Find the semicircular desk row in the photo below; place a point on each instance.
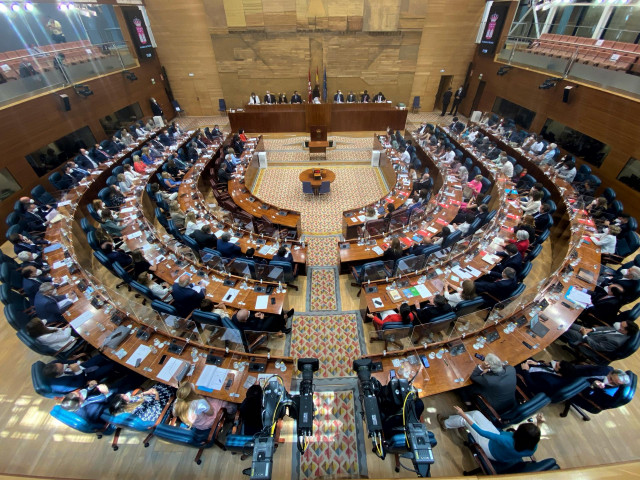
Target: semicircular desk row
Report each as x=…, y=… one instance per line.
x=95, y=324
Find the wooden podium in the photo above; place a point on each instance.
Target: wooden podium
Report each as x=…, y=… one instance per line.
x=318, y=139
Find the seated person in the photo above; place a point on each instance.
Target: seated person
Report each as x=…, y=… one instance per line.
x=496, y=382
x=89, y=403
x=28, y=259
x=204, y=238
x=439, y=307
x=49, y=305
x=147, y=405
x=186, y=296
x=466, y=292
x=468, y=220
x=162, y=292
x=394, y=252
x=115, y=199
x=532, y=205
x=178, y=217
x=32, y=279
x=405, y=316
x=169, y=183
x=521, y=242
x=228, y=249
x=606, y=301
x=629, y=280
x=600, y=339
x=57, y=339
x=251, y=411
x=258, y=321
x=542, y=219
x=111, y=225
x=115, y=255
x=500, y=290
x=511, y=258
x=66, y=377
x=507, y=447
x=283, y=255
x=476, y=184
x=250, y=255
x=607, y=240
x=197, y=411
x=528, y=223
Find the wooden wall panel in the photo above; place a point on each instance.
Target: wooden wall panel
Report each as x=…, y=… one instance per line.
x=33, y=124
x=610, y=118
x=181, y=30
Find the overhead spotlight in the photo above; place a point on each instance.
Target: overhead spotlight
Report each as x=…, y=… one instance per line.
x=83, y=90
x=3, y=8
x=28, y=6
x=63, y=7
x=70, y=6
x=503, y=70
x=15, y=7
x=129, y=75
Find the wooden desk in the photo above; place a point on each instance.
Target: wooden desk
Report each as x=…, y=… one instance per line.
x=319, y=146
x=342, y=117
x=307, y=176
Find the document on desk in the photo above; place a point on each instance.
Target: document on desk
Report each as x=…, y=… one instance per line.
x=577, y=295
x=491, y=259
x=423, y=291
x=233, y=240
x=128, y=209
x=262, y=302
x=461, y=273
x=170, y=368
x=52, y=248
x=212, y=378
x=134, y=235
x=59, y=264
x=378, y=250
x=65, y=203
x=81, y=319
x=473, y=271
x=362, y=218
x=219, y=233
x=231, y=295
x=140, y=354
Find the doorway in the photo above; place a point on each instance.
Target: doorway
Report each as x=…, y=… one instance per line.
x=478, y=96
x=445, y=82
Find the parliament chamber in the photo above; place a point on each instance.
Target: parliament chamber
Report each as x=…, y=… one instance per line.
x=319, y=240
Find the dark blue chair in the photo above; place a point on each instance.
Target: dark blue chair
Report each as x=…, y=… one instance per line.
x=290, y=272
x=486, y=185
x=43, y=350
x=610, y=194
x=540, y=239
x=10, y=276
x=118, y=170
x=535, y=251
x=54, y=179
x=86, y=226
x=206, y=318
x=14, y=218
x=13, y=229
x=17, y=314
x=143, y=290
x=95, y=246
x=583, y=173
x=415, y=106
x=103, y=194
x=552, y=206
x=451, y=239
x=594, y=400
x=112, y=180
x=222, y=105
x=307, y=189
x=595, y=181
x=526, y=269
x=9, y=296
x=391, y=333
x=325, y=187
x=70, y=419
x=466, y=307
x=162, y=219
x=162, y=307
x=93, y=213
x=41, y=195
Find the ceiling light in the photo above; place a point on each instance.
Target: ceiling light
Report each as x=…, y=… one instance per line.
x=15, y=7
x=3, y=8
x=70, y=6
x=28, y=6
x=63, y=7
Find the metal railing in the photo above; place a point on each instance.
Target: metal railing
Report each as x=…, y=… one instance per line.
x=46, y=68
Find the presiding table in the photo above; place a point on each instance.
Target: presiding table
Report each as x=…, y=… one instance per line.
x=326, y=176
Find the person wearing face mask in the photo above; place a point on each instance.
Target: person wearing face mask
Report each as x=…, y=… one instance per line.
x=607, y=239
x=160, y=291
x=21, y=243
x=600, y=339
x=32, y=279
x=34, y=221
x=31, y=260
x=629, y=280
x=49, y=305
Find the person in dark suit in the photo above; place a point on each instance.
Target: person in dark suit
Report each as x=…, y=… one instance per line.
x=64, y=378
x=283, y=255
x=496, y=382
x=246, y=320
x=156, y=109
x=269, y=98
x=67, y=181
x=204, y=238
x=46, y=304
x=606, y=302
x=76, y=172
x=446, y=99
x=600, y=339
x=164, y=139
x=379, y=98
x=351, y=98
x=282, y=98
x=33, y=220
x=98, y=153
x=511, y=258
x=228, y=249
x=543, y=218
x=500, y=290
x=457, y=99
x=88, y=404
x=32, y=280
x=83, y=160
x=630, y=283
x=22, y=243
x=114, y=255
x=296, y=98
x=365, y=98
x=429, y=311
x=186, y=297
x=250, y=255
x=338, y=97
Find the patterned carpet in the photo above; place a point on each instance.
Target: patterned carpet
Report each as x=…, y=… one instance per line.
x=333, y=339
x=323, y=289
x=333, y=449
x=354, y=186
x=322, y=251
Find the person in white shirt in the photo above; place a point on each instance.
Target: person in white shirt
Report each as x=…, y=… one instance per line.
x=533, y=205
x=160, y=291
x=568, y=171
x=473, y=135
x=52, y=337
x=405, y=156
x=129, y=174
x=254, y=99
x=191, y=224
x=607, y=239
x=449, y=155
x=123, y=183
x=549, y=155
x=538, y=147
x=468, y=220
x=316, y=100
x=140, y=131
x=126, y=138
x=507, y=169
x=466, y=292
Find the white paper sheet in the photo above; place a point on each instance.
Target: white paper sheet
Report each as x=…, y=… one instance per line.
x=141, y=353
x=170, y=368
x=80, y=319
x=262, y=301
x=134, y=235
x=212, y=377
x=378, y=250
x=231, y=295
x=378, y=302
x=423, y=291
x=461, y=273
x=578, y=296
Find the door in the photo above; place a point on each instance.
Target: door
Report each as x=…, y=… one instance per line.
x=445, y=82
x=478, y=96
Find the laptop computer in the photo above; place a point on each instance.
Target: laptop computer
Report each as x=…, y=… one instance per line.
x=537, y=327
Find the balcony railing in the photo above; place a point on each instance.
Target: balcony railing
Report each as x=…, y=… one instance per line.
x=25, y=73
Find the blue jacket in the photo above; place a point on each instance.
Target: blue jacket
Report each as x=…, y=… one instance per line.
x=228, y=249
x=31, y=287
x=96, y=368
x=47, y=307
x=185, y=299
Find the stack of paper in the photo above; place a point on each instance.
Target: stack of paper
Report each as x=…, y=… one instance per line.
x=212, y=378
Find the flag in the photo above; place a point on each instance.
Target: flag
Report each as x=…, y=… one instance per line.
x=317, y=79
x=310, y=86
x=324, y=86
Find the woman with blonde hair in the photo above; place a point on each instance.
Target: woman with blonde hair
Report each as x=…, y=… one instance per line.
x=197, y=411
